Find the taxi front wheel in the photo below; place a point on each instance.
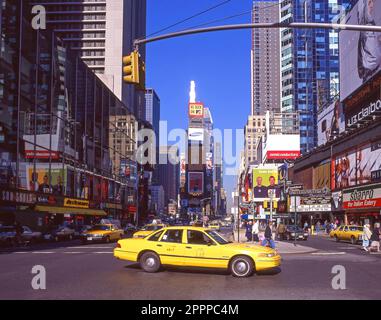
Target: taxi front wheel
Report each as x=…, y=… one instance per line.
x=150, y=262
x=242, y=267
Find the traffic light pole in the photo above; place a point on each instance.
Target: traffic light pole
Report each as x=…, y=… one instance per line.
x=276, y=25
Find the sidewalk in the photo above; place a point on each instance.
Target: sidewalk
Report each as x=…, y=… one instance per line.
x=282, y=247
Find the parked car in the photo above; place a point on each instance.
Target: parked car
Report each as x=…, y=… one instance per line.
x=29, y=235
x=293, y=233
x=80, y=229
x=348, y=233
x=7, y=236
x=148, y=229
x=102, y=233
x=59, y=234
x=214, y=225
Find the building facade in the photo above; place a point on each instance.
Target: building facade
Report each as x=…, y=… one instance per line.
x=56, y=118
x=265, y=64
x=309, y=63
x=102, y=32
x=169, y=172
x=254, y=130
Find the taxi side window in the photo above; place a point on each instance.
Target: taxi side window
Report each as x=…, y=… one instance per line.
x=173, y=236
x=156, y=236
x=346, y=228
x=197, y=237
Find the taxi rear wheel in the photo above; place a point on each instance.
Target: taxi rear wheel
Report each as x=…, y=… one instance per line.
x=337, y=238
x=242, y=267
x=353, y=240
x=150, y=262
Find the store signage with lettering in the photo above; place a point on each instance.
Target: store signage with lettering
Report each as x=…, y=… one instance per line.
x=18, y=197
x=76, y=203
x=362, y=197
x=376, y=176
x=364, y=113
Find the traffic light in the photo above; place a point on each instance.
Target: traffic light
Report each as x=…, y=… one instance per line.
x=134, y=70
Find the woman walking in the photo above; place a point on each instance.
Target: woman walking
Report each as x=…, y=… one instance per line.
x=367, y=234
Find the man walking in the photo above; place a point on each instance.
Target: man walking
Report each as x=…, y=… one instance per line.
x=375, y=238
x=367, y=234
x=269, y=236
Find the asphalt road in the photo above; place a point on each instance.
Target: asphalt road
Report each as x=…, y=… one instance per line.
x=74, y=271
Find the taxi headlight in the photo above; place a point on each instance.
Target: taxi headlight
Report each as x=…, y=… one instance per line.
x=267, y=255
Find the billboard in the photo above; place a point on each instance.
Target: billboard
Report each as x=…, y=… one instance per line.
x=196, y=110
x=265, y=182
x=331, y=122
x=196, y=134
x=360, y=52
x=282, y=147
x=360, y=166
x=196, y=183
x=362, y=197
x=322, y=176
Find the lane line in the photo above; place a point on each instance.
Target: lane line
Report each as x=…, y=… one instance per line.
x=328, y=253
x=105, y=252
x=42, y=252
x=84, y=247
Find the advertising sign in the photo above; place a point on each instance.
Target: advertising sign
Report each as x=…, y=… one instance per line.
x=362, y=197
x=331, y=122
x=196, y=183
x=322, y=176
x=183, y=177
x=282, y=147
x=42, y=180
x=345, y=170
x=196, y=134
x=360, y=52
x=264, y=180
x=196, y=110
x=76, y=203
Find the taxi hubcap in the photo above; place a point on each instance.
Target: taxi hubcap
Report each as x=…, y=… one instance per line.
x=150, y=262
x=241, y=267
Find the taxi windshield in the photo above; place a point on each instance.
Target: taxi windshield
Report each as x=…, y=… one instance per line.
x=100, y=228
x=355, y=228
x=217, y=237
x=151, y=228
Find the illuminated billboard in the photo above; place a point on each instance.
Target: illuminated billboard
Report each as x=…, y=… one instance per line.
x=196, y=110
x=196, y=183
x=196, y=134
x=282, y=147
x=331, y=122
x=360, y=52
x=265, y=182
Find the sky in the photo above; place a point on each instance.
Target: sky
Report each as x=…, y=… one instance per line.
x=218, y=62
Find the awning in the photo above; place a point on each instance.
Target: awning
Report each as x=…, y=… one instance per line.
x=63, y=210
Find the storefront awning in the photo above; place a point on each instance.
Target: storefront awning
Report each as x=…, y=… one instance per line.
x=79, y=211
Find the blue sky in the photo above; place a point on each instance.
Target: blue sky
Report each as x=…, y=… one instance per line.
x=218, y=62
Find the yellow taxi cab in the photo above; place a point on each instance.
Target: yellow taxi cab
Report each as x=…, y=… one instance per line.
x=348, y=233
x=102, y=233
x=196, y=247
x=147, y=230
x=214, y=225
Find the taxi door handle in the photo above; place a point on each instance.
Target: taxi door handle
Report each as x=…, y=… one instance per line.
x=159, y=245
x=188, y=247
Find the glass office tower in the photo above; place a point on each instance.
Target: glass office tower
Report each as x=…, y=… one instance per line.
x=309, y=63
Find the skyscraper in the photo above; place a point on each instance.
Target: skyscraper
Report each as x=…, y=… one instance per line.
x=102, y=32
x=152, y=115
x=265, y=67
x=169, y=172
x=309, y=63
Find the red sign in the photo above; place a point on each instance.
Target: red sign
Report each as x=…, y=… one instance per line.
x=362, y=197
x=196, y=110
x=276, y=155
x=132, y=209
x=41, y=154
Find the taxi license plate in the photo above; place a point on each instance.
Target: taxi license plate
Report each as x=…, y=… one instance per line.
x=300, y=237
x=89, y=239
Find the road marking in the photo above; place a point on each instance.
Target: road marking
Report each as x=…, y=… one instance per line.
x=108, y=252
x=84, y=247
x=74, y=252
x=349, y=248
x=42, y=252
x=24, y=252
x=328, y=253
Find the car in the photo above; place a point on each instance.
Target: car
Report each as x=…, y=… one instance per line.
x=196, y=247
x=102, y=233
x=31, y=236
x=293, y=233
x=147, y=229
x=7, y=236
x=129, y=230
x=215, y=225
x=59, y=234
x=348, y=233
x=80, y=229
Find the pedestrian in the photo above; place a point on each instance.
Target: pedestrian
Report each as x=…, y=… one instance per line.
x=375, y=238
x=367, y=234
x=318, y=227
x=281, y=230
x=249, y=231
x=269, y=236
x=255, y=231
x=18, y=231
x=305, y=226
